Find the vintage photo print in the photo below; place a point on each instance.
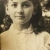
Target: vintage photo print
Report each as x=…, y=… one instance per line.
x=24, y=24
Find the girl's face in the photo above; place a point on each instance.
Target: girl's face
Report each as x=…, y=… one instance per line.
x=20, y=11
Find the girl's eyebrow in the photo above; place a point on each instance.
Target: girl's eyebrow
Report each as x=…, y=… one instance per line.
x=15, y=2
x=11, y=0
x=26, y=1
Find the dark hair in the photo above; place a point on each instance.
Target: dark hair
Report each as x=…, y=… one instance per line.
x=36, y=21
x=2, y=12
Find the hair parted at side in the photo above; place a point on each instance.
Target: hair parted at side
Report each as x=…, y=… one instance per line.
x=36, y=20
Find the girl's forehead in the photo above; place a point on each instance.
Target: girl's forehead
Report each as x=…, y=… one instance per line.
x=19, y=0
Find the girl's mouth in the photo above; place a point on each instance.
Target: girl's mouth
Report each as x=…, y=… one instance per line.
x=20, y=16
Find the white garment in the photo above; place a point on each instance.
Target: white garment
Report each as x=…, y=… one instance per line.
x=23, y=40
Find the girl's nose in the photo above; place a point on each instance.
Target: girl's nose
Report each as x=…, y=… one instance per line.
x=19, y=9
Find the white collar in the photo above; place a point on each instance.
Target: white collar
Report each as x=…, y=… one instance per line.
x=25, y=31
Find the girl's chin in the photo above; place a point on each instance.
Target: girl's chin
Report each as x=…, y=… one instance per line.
x=19, y=22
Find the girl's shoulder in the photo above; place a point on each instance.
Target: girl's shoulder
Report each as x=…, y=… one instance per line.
x=4, y=40
x=45, y=34
x=46, y=39
x=4, y=34
x=47, y=44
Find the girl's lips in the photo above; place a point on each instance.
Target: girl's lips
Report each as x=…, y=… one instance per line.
x=20, y=16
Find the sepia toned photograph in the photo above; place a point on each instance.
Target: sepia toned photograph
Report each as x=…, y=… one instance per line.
x=24, y=24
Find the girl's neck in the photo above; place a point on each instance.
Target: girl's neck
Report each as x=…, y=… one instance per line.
x=21, y=27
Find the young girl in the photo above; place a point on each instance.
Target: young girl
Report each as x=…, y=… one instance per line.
x=25, y=30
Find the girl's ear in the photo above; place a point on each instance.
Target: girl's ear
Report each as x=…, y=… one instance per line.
x=6, y=8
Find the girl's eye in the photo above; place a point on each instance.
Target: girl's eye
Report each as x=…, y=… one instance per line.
x=26, y=5
x=14, y=5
